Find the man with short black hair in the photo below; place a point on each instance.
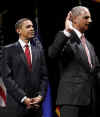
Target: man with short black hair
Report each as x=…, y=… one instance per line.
x=28, y=78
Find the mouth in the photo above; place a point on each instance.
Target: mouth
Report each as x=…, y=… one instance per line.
x=87, y=25
x=32, y=33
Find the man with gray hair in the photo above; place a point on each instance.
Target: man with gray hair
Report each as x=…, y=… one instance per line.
x=77, y=63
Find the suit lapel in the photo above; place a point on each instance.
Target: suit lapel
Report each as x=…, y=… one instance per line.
x=83, y=56
x=34, y=55
x=21, y=53
x=79, y=50
x=92, y=53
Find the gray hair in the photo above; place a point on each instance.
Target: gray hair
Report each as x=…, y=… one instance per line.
x=78, y=10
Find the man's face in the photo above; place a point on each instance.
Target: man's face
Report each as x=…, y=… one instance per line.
x=26, y=31
x=83, y=20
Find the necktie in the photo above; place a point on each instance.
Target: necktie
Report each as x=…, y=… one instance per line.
x=86, y=50
x=28, y=56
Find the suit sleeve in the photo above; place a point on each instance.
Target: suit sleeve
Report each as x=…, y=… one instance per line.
x=12, y=87
x=97, y=69
x=58, y=45
x=43, y=75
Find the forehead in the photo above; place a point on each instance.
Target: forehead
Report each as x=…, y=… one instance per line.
x=27, y=22
x=85, y=12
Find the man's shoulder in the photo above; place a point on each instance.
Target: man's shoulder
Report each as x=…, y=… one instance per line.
x=62, y=35
x=12, y=45
x=60, y=32
x=10, y=48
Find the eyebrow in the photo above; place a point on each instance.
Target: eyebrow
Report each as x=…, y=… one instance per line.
x=86, y=17
x=29, y=26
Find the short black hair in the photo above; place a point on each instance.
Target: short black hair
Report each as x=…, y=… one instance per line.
x=19, y=22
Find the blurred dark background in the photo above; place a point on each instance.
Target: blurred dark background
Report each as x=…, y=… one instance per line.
x=51, y=17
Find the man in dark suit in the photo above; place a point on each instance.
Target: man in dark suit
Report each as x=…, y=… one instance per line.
x=27, y=79
x=77, y=65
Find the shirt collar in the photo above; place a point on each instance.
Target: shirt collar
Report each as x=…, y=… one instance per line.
x=23, y=43
x=79, y=34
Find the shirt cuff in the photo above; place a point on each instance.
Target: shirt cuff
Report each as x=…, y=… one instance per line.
x=67, y=33
x=22, y=100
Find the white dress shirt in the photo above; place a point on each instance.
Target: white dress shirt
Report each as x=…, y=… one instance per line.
x=79, y=34
x=66, y=33
x=22, y=43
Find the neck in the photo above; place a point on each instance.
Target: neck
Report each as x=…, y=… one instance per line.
x=77, y=27
x=25, y=40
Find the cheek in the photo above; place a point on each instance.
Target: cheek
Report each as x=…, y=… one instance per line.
x=82, y=23
x=25, y=34
x=85, y=26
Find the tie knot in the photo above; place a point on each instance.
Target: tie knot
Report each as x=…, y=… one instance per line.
x=83, y=38
x=26, y=46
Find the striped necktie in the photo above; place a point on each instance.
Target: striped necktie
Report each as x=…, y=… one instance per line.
x=83, y=40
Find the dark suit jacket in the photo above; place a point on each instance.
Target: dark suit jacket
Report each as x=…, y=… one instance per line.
x=19, y=80
x=76, y=78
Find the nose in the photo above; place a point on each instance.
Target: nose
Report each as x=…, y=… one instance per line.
x=32, y=28
x=90, y=20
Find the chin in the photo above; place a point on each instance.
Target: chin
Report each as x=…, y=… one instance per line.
x=31, y=37
x=86, y=27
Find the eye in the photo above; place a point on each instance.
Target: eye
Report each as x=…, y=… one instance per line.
x=28, y=26
x=86, y=17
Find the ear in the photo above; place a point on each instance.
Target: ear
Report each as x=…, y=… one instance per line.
x=70, y=16
x=18, y=31
x=75, y=20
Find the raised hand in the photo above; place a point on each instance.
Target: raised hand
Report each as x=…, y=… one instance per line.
x=68, y=22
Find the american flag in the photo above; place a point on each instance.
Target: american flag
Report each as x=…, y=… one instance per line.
x=2, y=86
x=2, y=94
